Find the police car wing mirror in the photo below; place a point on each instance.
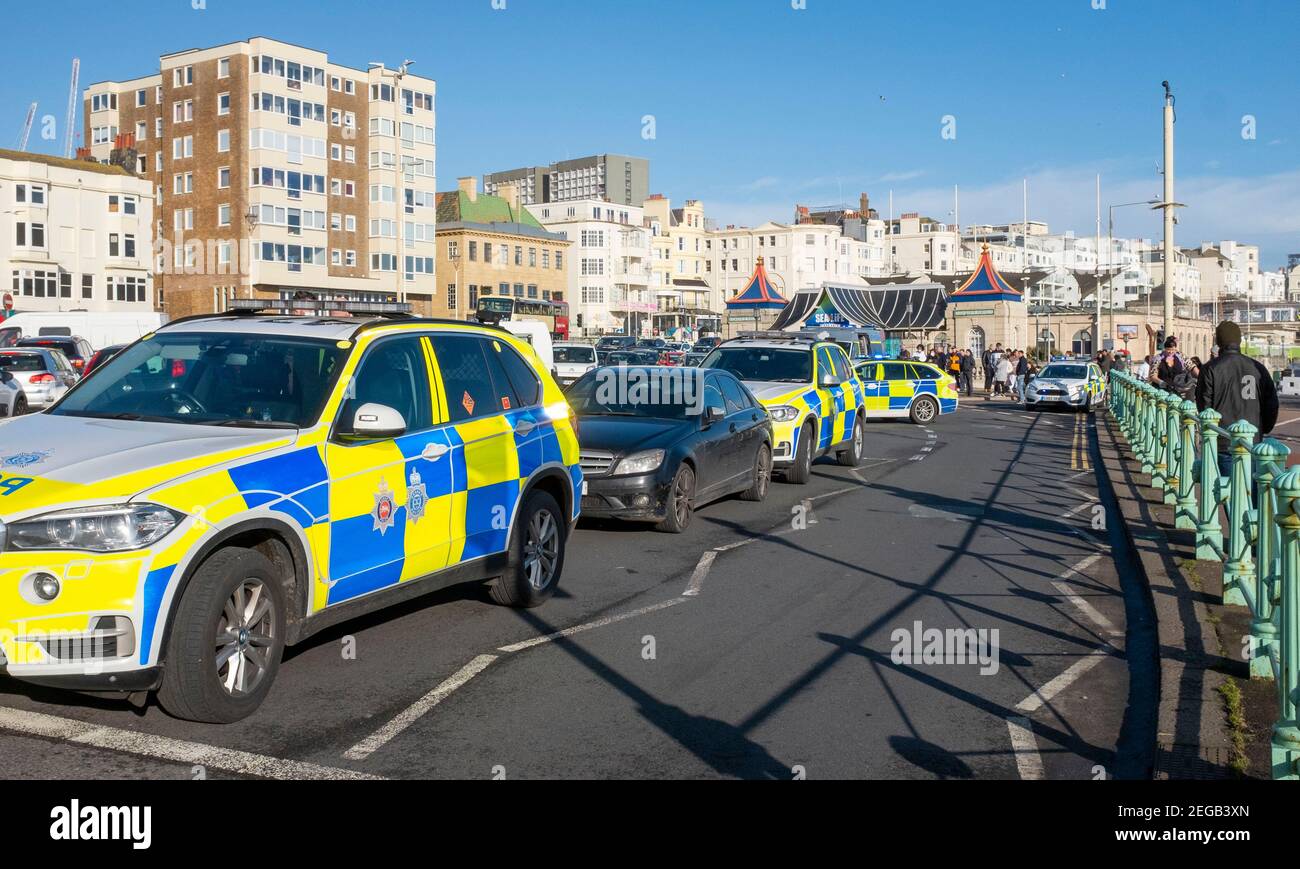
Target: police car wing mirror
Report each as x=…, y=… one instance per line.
x=376, y=421
x=830, y=380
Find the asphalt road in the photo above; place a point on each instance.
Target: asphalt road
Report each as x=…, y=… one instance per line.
x=759, y=644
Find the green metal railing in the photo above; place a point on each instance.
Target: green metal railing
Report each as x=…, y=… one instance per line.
x=1256, y=502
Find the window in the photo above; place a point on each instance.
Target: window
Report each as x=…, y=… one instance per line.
x=394, y=374
x=182, y=76
x=223, y=215
x=182, y=147
x=472, y=391
x=223, y=68
x=223, y=104
x=223, y=140
x=141, y=98
x=87, y=286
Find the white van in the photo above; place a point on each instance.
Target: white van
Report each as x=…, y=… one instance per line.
x=101, y=328
x=537, y=335
x=572, y=360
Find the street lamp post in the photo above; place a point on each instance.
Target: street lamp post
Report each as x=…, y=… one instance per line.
x=1110, y=253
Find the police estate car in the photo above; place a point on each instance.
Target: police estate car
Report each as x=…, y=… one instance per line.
x=810, y=392
x=231, y=484
x=1077, y=384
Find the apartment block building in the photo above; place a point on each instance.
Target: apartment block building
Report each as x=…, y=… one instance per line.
x=614, y=178
x=489, y=247
x=609, y=265
x=680, y=268
x=74, y=235
x=276, y=171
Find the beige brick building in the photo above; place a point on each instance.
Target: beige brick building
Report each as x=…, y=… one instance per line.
x=489, y=247
x=277, y=171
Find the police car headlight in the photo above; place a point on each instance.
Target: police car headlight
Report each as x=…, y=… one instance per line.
x=641, y=463
x=117, y=528
x=785, y=413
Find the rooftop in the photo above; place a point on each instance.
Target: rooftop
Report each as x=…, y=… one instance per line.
x=63, y=162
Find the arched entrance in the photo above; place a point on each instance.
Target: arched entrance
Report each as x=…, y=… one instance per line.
x=975, y=341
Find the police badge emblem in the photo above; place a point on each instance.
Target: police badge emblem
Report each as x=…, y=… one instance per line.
x=384, y=510
x=417, y=498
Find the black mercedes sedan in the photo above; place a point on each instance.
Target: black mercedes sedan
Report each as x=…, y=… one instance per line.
x=658, y=441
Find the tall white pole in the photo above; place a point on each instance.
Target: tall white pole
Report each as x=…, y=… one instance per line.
x=890, y=233
x=1096, y=289
x=1168, y=207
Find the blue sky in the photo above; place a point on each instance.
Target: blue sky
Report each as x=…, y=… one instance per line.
x=759, y=105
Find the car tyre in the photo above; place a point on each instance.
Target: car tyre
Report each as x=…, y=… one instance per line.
x=762, y=475
x=238, y=595
x=924, y=410
x=800, y=472
x=20, y=405
x=851, y=455
x=536, y=554
x=680, y=506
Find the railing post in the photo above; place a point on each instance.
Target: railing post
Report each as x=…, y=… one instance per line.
x=1269, y=456
x=1286, y=732
x=1185, y=515
x=1159, y=456
x=1209, y=533
x=1239, y=566
x=1146, y=452
x=1173, y=448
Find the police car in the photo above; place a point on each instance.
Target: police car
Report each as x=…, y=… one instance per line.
x=811, y=394
x=231, y=484
x=1078, y=384
x=906, y=388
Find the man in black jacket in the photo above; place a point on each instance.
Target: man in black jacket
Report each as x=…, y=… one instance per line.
x=1237, y=387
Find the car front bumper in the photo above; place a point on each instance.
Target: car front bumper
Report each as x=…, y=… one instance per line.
x=638, y=498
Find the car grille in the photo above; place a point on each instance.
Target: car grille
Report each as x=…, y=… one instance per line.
x=596, y=463
x=109, y=637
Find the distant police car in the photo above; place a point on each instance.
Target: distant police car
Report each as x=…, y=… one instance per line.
x=896, y=388
x=1067, y=384
x=810, y=392
x=232, y=484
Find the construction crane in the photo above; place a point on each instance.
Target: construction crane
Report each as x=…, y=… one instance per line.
x=70, y=121
x=27, y=127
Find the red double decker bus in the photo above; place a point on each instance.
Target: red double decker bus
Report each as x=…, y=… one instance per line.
x=553, y=315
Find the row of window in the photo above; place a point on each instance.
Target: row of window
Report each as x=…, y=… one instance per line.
x=296, y=110
x=44, y=284
x=503, y=254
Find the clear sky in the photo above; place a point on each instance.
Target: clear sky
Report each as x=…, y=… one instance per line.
x=759, y=105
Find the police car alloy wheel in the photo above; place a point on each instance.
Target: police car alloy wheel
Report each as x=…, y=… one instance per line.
x=536, y=554
x=851, y=455
x=923, y=410
x=226, y=639
x=801, y=470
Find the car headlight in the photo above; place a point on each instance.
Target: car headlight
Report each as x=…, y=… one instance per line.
x=784, y=413
x=640, y=463
x=116, y=528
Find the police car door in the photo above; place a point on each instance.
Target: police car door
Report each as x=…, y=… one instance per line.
x=390, y=498
x=849, y=396
x=828, y=390
x=487, y=424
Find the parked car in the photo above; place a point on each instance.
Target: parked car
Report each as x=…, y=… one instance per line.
x=917, y=390
x=658, y=459
x=13, y=401
x=44, y=374
x=573, y=360
x=233, y=484
x=811, y=393
x=102, y=355
x=1079, y=385
x=656, y=344
x=610, y=343
x=632, y=357
x=77, y=350
x=704, y=345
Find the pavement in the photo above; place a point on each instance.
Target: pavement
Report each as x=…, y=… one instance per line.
x=768, y=641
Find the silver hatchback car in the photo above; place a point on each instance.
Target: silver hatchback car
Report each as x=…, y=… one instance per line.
x=44, y=374
x=13, y=401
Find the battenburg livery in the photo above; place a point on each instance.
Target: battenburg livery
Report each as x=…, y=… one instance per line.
x=906, y=388
x=232, y=484
x=810, y=391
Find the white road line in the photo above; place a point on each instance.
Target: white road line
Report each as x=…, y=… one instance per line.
x=1084, y=506
x=701, y=571
x=599, y=623
x=1088, y=609
x=412, y=713
x=1287, y=422
x=1028, y=760
x=833, y=494
x=1035, y=701
x=164, y=748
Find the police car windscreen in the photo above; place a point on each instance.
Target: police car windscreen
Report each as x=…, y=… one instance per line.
x=216, y=378
x=763, y=363
x=1066, y=372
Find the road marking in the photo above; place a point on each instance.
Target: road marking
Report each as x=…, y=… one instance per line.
x=1082, y=605
x=1043, y=695
x=1028, y=761
x=701, y=571
x=1287, y=422
x=412, y=713
x=599, y=623
x=164, y=748
x=916, y=458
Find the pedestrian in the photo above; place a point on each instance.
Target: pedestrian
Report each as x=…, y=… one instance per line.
x=967, y=372
x=1171, y=366
x=1143, y=370
x=1021, y=373
x=1238, y=387
x=1002, y=374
